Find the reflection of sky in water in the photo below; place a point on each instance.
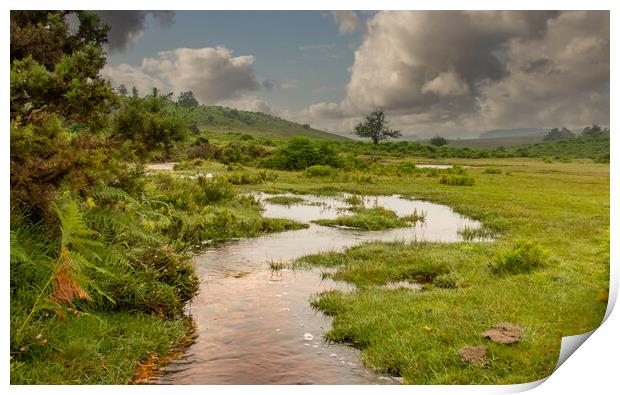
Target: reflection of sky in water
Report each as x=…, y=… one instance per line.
x=254, y=325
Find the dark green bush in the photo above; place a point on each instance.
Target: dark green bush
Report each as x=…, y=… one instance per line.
x=301, y=152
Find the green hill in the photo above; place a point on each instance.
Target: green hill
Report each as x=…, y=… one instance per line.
x=225, y=119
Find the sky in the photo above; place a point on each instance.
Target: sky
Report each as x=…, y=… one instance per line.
x=454, y=73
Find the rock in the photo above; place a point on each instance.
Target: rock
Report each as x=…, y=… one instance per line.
x=475, y=355
x=308, y=336
x=504, y=333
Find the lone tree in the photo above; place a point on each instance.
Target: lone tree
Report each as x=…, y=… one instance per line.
x=438, y=141
x=376, y=127
x=187, y=99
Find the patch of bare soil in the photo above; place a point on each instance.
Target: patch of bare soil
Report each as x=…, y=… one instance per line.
x=476, y=355
x=504, y=333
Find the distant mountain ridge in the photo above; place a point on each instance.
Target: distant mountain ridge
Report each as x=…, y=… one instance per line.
x=517, y=132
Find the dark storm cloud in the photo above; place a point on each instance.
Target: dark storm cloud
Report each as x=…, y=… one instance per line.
x=126, y=26
x=540, y=65
x=442, y=70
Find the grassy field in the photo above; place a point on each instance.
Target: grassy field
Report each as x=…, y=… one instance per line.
x=562, y=208
x=547, y=270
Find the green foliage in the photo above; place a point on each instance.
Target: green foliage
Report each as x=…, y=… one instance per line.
x=187, y=99
x=248, y=178
x=300, y=153
x=284, y=200
x=55, y=71
x=556, y=134
x=46, y=157
x=456, y=179
x=438, y=141
x=594, y=131
x=319, y=171
x=151, y=124
x=375, y=218
x=447, y=281
x=375, y=127
x=523, y=257
x=492, y=170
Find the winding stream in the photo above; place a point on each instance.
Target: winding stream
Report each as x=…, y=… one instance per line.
x=255, y=326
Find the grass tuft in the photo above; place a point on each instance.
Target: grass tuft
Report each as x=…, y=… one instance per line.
x=523, y=257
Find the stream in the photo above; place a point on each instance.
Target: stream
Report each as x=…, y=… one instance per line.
x=256, y=326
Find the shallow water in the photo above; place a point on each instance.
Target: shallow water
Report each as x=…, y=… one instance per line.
x=434, y=166
x=164, y=166
x=255, y=326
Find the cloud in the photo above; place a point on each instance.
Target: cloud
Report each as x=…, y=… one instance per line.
x=213, y=74
x=446, y=84
x=451, y=71
x=131, y=76
x=248, y=103
x=128, y=26
x=348, y=21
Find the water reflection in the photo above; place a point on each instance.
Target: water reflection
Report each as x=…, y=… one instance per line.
x=255, y=326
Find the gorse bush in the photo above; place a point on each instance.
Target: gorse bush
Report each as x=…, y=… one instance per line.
x=151, y=123
x=523, y=257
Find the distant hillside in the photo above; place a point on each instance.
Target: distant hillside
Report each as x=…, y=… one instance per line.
x=520, y=132
x=496, y=142
x=224, y=119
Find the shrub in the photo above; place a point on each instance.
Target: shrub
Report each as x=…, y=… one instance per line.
x=456, y=179
x=492, y=170
x=524, y=257
x=301, y=153
x=214, y=190
x=319, y=171
x=171, y=268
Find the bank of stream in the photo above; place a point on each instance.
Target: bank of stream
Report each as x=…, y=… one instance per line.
x=254, y=324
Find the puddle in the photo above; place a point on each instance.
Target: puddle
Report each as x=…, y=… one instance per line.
x=165, y=166
x=434, y=166
x=256, y=326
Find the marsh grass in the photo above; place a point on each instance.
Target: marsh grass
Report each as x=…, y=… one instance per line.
x=481, y=233
x=354, y=200
x=524, y=257
x=285, y=200
x=277, y=266
x=374, y=218
x=456, y=179
x=550, y=297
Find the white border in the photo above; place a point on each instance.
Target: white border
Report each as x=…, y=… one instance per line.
x=593, y=367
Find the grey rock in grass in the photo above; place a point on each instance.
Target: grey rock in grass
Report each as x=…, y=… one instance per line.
x=476, y=355
x=504, y=333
